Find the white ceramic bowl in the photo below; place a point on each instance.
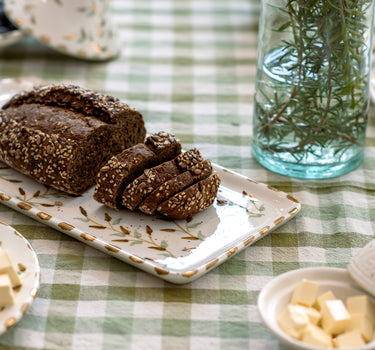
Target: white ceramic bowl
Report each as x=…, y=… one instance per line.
x=10, y=38
x=362, y=268
x=276, y=295
x=78, y=28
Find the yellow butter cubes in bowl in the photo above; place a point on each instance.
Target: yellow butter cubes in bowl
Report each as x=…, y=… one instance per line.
x=317, y=308
x=325, y=321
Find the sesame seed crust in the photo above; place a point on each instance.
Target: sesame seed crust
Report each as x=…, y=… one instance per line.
x=142, y=186
x=146, y=183
x=175, y=185
x=73, y=97
x=60, y=134
x=191, y=200
x=119, y=170
x=125, y=167
x=156, y=178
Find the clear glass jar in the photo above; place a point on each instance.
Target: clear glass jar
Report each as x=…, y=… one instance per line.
x=312, y=86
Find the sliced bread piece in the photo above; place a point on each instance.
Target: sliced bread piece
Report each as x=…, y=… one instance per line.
x=191, y=200
x=142, y=186
x=123, y=168
x=176, y=184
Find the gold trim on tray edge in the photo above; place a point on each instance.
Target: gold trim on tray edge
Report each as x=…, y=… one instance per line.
x=160, y=271
x=248, y=241
x=65, y=226
x=190, y=273
x=264, y=230
x=292, y=198
x=136, y=259
x=212, y=263
x=44, y=216
x=4, y=197
x=231, y=251
x=279, y=220
x=293, y=211
x=24, y=206
x=112, y=248
x=10, y=322
x=24, y=308
x=87, y=237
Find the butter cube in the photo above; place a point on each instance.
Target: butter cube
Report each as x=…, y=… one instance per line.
x=362, y=324
x=293, y=319
x=322, y=298
x=348, y=340
x=6, y=291
x=7, y=268
x=314, y=335
x=335, y=317
x=361, y=304
x=313, y=315
x=305, y=293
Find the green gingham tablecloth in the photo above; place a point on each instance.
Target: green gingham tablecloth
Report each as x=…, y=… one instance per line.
x=189, y=67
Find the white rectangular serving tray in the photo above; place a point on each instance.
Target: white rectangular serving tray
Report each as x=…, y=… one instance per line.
x=177, y=251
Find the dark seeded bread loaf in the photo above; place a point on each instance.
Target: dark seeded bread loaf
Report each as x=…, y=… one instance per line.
x=61, y=135
x=125, y=167
x=152, y=178
x=175, y=185
x=192, y=200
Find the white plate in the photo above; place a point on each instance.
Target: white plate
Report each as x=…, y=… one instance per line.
x=11, y=37
x=362, y=268
x=177, y=251
x=82, y=29
x=276, y=295
x=27, y=265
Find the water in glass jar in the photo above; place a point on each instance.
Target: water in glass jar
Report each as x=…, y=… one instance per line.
x=319, y=138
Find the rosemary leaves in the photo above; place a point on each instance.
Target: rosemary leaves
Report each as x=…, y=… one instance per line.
x=312, y=86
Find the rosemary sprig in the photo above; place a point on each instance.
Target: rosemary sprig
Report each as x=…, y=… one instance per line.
x=325, y=59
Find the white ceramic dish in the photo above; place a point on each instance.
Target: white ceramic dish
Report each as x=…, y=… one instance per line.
x=362, y=268
x=177, y=251
x=26, y=262
x=276, y=294
x=10, y=38
x=78, y=28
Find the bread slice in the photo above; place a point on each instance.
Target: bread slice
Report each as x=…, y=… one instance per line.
x=175, y=185
x=142, y=186
x=191, y=200
x=125, y=167
x=188, y=159
x=61, y=135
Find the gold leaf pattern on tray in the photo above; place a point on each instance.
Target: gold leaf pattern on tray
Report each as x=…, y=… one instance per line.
x=143, y=235
x=4, y=177
x=38, y=196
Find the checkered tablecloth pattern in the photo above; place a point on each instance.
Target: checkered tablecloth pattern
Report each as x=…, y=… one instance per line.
x=189, y=67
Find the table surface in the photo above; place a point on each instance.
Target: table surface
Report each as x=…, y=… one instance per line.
x=189, y=67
